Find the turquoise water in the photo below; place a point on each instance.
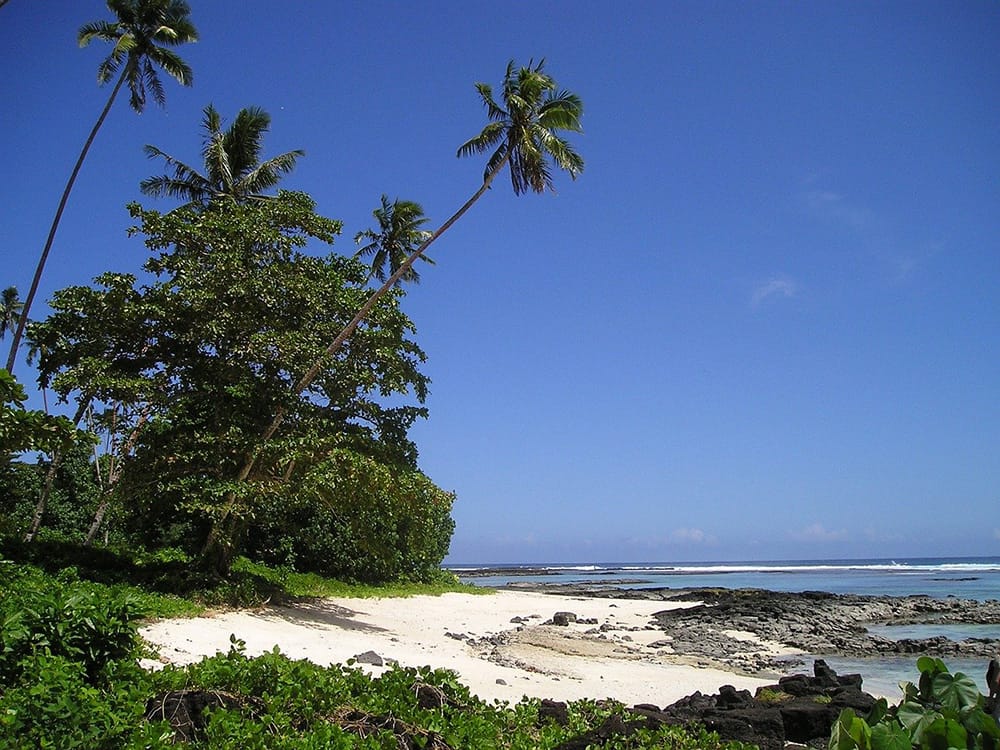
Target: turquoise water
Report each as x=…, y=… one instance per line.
x=966, y=578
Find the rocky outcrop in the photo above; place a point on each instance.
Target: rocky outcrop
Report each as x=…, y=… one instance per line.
x=799, y=709
x=821, y=623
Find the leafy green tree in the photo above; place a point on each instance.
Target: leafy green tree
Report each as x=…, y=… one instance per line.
x=232, y=166
x=524, y=133
x=10, y=310
x=197, y=360
x=399, y=233
x=141, y=35
x=24, y=429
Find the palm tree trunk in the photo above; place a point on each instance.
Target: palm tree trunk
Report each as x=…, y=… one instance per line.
x=219, y=551
x=50, y=476
x=43, y=499
x=19, y=333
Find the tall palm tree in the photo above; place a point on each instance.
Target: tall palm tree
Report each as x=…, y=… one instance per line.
x=399, y=233
x=141, y=34
x=232, y=165
x=11, y=309
x=523, y=133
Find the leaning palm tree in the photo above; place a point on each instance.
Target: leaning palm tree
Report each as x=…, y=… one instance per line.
x=399, y=233
x=141, y=34
x=523, y=135
x=10, y=310
x=232, y=166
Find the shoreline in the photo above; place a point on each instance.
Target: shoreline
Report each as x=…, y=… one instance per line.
x=633, y=645
x=503, y=646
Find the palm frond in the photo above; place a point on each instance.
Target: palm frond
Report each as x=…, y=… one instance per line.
x=496, y=160
x=103, y=30
x=107, y=69
x=562, y=154
x=136, y=84
x=268, y=174
x=173, y=65
x=493, y=110
x=244, y=137
x=561, y=111
x=152, y=83
x=489, y=137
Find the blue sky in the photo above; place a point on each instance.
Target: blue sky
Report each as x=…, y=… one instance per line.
x=763, y=324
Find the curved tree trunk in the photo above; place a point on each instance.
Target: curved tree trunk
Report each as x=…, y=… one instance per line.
x=218, y=549
x=50, y=476
x=19, y=333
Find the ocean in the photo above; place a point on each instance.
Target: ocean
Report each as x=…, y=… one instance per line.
x=964, y=578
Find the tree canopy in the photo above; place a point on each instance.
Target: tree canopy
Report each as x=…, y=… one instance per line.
x=186, y=370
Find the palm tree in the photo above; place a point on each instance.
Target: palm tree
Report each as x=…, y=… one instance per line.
x=524, y=138
x=141, y=34
x=10, y=310
x=233, y=169
x=398, y=235
x=523, y=134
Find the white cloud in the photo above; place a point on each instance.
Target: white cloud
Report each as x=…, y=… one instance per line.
x=780, y=286
x=692, y=536
x=818, y=533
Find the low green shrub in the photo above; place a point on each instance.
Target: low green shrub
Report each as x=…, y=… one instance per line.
x=92, y=628
x=942, y=710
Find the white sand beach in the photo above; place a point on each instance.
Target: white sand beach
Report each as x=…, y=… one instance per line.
x=619, y=654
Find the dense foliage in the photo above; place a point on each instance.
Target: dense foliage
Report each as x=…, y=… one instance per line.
x=942, y=710
x=183, y=373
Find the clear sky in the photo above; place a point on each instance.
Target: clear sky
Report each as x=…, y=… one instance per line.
x=763, y=324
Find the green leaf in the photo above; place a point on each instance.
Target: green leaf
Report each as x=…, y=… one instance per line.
x=850, y=733
x=955, y=691
x=943, y=734
x=890, y=736
x=916, y=718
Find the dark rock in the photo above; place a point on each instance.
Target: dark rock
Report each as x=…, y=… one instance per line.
x=370, y=657
x=612, y=728
x=806, y=720
x=429, y=696
x=823, y=674
x=563, y=618
x=554, y=711
x=458, y=636
x=186, y=710
x=730, y=697
x=800, y=708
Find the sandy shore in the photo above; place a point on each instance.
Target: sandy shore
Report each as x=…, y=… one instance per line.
x=621, y=655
